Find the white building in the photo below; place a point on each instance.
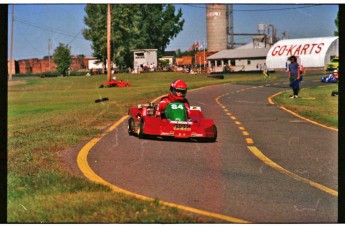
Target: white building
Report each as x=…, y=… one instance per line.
x=170, y=59
x=144, y=57
x=310, y=52
x=245, y=58
x=96, y=64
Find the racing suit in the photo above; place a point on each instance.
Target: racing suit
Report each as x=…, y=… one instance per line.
x=166, y=100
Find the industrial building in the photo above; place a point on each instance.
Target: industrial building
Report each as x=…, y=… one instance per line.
x=249, y=57
x=312, y=53
x=216, y=24
x=220, y=39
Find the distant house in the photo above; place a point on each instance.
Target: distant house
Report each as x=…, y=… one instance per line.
x=170, y=59
x=170, y=56
x=245, y=58
x=201, y=56
x=144, y=57
x=35, y=65
x=184, y=61
x=96, y=64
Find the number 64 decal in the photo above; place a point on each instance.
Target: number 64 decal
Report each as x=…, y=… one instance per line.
x=177, y=106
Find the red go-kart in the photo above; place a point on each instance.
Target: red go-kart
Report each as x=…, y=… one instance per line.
x=173, y=123
x=115, y=83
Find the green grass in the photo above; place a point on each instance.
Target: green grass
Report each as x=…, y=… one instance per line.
x=47, y=115
x=315, y=103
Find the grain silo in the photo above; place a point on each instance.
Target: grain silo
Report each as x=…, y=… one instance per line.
x=217, y=27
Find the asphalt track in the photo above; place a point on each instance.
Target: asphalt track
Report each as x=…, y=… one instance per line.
x=267, y=166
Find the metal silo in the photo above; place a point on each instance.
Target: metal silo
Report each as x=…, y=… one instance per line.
x=217, y=27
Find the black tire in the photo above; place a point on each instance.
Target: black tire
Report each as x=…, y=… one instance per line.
x=214, y=138
x=211, y=139
x=131, y=126
x=141, y=134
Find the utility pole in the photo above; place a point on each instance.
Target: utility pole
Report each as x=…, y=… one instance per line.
x=49, y=46
x=204, y=54
x=109, y=44
x=11, y=58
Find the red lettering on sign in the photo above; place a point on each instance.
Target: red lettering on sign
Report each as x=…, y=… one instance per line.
x=312, y=48
x=282, y=50
x=274, y=52
x=297, y=50
x=304, y=50
x=289, y=52
x=319, y=47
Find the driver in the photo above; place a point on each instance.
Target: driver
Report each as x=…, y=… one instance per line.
x=178, y=91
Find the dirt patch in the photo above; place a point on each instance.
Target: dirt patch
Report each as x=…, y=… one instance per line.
x=16, y=82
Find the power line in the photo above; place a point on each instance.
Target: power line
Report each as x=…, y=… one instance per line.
x=57, y=31
x=257, y=10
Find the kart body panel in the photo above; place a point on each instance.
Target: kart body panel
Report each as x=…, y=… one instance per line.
x=116, y=83
x=143, y=121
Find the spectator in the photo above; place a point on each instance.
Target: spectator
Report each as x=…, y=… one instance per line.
x=294, y=76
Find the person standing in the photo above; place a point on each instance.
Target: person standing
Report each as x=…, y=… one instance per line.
x=265, y=71
x=294, y=76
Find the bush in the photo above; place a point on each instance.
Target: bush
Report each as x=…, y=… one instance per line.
x=50, y=74
x=26, y=75
x=77, y=73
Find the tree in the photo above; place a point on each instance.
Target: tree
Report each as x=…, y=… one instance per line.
x=134, y=26
x=62, y=58
x=336, y=21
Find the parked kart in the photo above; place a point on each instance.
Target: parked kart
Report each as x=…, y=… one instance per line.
x=331, y=78
x=115, y=83
x=172, y=124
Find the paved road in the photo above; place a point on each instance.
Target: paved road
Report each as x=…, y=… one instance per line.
x=266, y=166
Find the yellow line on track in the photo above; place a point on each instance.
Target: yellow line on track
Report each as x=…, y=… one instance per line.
x=249, y=141
x=245, y=133
x=274, y=165
x=297, y=115
x=311, y=121
x=85, y=168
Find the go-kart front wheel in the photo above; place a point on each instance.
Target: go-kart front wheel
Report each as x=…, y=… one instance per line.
x=141, y=134
x=131, y=126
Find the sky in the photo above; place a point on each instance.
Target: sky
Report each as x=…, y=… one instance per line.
x=35, y=24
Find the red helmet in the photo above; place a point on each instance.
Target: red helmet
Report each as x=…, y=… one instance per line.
x=179, y=86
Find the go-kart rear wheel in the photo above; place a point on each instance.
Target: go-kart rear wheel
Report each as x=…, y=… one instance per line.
x=131, y=126
x=141, y=134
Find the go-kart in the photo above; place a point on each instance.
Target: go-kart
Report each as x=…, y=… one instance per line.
x=329, y=79
x=173, y=123
x=115, y=83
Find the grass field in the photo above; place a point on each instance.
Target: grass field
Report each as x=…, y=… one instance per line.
x=316, y=104
x=47, y=115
